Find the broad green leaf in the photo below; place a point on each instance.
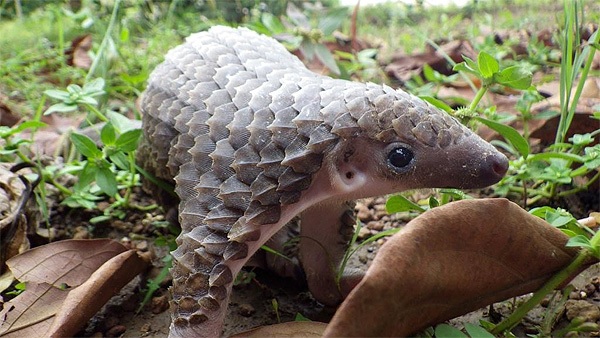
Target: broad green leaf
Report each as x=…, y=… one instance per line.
x=447, y=331
x=120, y=160
x=325, y=56
x=85, y=146
x=307, y=49
x=333, y=20
x=86, y=176
x=128, y=141
x=94, y=87
x=513, y=136
x=515, y=77
x=488, y=66
x=476, y=331
x=122, y=123
x=57, y=94
x=580, y=241
x=108, y=134
x=61, y=108
x=297, y=17
x=399, y=203
x=272, y=23
x=107, y=181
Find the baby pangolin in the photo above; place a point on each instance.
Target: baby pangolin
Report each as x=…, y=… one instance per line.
x=252, y=138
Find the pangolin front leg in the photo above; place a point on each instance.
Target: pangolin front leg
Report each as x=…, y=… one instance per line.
x=252, y=138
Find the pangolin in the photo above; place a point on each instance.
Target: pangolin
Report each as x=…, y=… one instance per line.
x=252, y=138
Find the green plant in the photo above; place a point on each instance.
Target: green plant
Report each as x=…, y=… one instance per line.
x=307, y=33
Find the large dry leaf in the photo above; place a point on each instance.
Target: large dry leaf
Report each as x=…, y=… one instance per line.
x=286, y=330
x=69, y=262
x=67, y=283
x=84, y=301
x=449, y=261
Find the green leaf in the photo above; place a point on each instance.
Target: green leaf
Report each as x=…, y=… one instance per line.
x=325, y=56
x=94, y=87
x=108, y=134
x=122, y=123
x=399, y=203
x=433, y=202
x=60, y=95
x=447, y=331
x=85, y=177
x=300, y=318
x=580, y=241
x=552, y=155
x=61, y=108
x=120, y=160
x=333, y=20
x=468, y=66
x=128, y=141
x=307, y=49
x=510, y=134
x=437, y=103
x=488, y=66
x=107, y=181
x=476, y=331
x=85, y=146
x=515, y=77
x=272, y=23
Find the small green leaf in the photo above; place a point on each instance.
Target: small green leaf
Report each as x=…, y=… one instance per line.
x=436, y=103
x=307, y=49
x=333, y=20
x=85, y=146
x=513, y=136
x=107, y=181
x=120, y=160
x=128, y=141
x=476, y=331
x=580, y=241
x=433, y=202
x=94, y=87
x=515, y=77
x=552, y=155
x=488, y=66
x=108, y=134
x=325, y=56
x=122, y=123
x=60, y=95
x=300, y=318
x=85, y=177
x=447, y=331
x=399, y=203
x=61, y=108
x=272, y=23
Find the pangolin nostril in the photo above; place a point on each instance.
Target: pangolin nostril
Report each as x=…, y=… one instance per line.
x=500, y=165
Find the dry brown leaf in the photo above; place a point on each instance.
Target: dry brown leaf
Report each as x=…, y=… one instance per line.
x=69, y=262
x=449, y=261
x=67, y=283
x=286, y=330
x=87, y=299
x=78, y=55
x=30, y=313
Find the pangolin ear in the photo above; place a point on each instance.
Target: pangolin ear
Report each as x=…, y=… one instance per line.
x=346, y=177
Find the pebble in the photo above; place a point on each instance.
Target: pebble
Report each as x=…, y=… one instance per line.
x=581, y=308
x=159, y=304
x=116, y=331
x=375, y=225
x=81, y=232
x=364, y=233
x=246, y=309
x=363, y=258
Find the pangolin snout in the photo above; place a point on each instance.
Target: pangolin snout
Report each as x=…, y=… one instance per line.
x=493, y=168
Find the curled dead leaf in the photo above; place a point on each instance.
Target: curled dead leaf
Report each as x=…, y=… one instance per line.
x=449, y=261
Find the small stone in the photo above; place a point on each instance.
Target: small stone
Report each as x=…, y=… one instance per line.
x=160, y=304
x=589, y=288
x=138, y=228
x=364, y=233
x=574, y=295
x=581, y=308
x=364, y=214
x=146, y=328
x=363, y=258
x=246, y=309
x=375, y=225
x=81, y=232
x=142, y=245
x=116, y=331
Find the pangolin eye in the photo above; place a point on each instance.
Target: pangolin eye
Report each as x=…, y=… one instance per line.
x=400, y=157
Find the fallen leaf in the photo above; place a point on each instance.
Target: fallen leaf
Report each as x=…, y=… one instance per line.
x=67, y=283
x=285, y=330
x=69, y=262
x=78, y=55
x=449, y=261
x=87, y=299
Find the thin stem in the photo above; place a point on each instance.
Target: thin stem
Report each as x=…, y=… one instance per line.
x=538, y=296
x=104, y=43
x=477, y=98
